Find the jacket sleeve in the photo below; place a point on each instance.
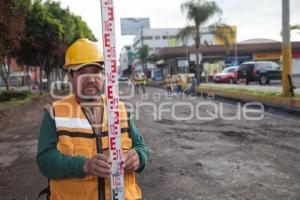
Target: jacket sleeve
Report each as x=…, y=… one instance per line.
x=138, y=144
x=51, y=162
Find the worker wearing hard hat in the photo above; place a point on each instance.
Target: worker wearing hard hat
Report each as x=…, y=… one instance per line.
x=179, y=83
x=136, y=83
x=169, y=84
x=73, y=142
x=143, y=82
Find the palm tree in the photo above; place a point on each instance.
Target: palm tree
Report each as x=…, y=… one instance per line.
x=198, y=12
x=295, y=27
x=152, y=58
x=143, y=53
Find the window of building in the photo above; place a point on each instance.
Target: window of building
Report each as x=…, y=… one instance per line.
x=148, y=37
x=169, y=37
x=172, y=37
x=157, y=37
x=182, y=70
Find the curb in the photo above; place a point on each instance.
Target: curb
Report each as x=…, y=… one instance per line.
x=289, y=105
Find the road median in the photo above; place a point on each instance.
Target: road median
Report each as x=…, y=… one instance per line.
x=268, y=98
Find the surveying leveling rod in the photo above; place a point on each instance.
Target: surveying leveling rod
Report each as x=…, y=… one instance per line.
x=112, y=94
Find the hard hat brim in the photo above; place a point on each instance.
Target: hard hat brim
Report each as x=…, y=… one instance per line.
x=77, y=67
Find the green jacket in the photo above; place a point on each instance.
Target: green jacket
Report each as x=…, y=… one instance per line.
x=143, y=81
x=55, y=165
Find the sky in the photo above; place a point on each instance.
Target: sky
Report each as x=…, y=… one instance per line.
x=253, y=18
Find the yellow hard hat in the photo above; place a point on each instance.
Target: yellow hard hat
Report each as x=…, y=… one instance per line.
x=81, y=53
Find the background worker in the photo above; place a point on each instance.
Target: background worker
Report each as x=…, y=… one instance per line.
x=179, y=83
x=143, y=82
x=169, y=84
x=136, y=83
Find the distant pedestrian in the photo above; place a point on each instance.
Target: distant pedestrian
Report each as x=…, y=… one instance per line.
x=143, y=82
x=179, y=83
x=136, y=84
x=129, y=84
x=192, y=88
x=169, y=84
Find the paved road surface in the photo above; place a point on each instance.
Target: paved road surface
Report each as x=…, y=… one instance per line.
x=191, y=159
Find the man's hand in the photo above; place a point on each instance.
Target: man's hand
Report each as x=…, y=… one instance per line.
x=99, y=165
x=132, y=161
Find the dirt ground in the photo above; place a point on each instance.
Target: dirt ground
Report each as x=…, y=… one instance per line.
x=191, y=159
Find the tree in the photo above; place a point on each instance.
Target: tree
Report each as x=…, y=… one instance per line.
x=143, y=53
x=31, y=46
x=37, y=33
x=198, y=12
x=73, y=28
x=13, y=15
x=43, y=36
x=296, y=28
x=82, y=30
x=49, y=31
x=152, y=58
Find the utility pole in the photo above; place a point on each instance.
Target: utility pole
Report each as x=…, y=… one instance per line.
x=286, y=47
x=142, y=46
x=235, y=48
x=142, y=36
x=235, y=54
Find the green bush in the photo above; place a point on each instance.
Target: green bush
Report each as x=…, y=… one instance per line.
x=9, y=95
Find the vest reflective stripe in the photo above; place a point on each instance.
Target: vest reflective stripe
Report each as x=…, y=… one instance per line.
x=84, y=135
x=72, y=122
x=76, y=138
x=82, y=130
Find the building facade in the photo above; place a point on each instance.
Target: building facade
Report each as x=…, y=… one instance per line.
x=158, y=38
x=216, y=57
x=126, y=60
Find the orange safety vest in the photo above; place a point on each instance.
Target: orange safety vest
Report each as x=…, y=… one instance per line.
x=179, y=81
x=76, y=137
x=169, y=82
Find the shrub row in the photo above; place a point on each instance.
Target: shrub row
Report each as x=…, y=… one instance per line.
x=9, y=95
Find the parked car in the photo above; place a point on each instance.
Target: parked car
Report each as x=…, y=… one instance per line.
x=228, y=75
x=259, y=71
x=122, y=78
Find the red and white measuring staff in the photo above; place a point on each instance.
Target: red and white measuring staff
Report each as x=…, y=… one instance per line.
x=112, y=95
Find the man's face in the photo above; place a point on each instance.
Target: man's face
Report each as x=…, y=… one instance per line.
x=88, y=82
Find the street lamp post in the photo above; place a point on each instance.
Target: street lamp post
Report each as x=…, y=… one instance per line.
x=236, y=48
x=286, y=47
x=142, y=36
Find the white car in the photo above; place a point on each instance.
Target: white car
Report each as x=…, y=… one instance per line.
x=122, y=78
